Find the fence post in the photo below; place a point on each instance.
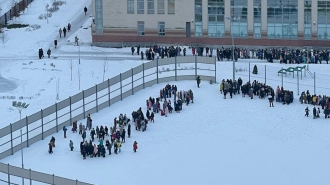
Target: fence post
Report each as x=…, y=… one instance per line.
x=11, y=139
x=249, y=72
x=195, y=66
x=42, y=124
x=70, y=110
x=56, y=117
x=265, y=74
x=30, y=176
x=27, y=131
x=282, y=77
x=156, y=69
x=215, y=69
x=53, y=179
x=121, y=88
x=133, y=80
x=143, y=73
x=84, y=114
x=109, y=92
x=97, y=103
x=8, y=174
x=175, y=69
x=314, y=83
x=298, y=82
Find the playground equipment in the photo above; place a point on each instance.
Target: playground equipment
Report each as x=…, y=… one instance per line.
x=292, y=70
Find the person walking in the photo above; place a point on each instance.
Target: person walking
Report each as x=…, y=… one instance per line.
x=64, y=130
x=69, y=27
x=49, y=52
x=71, y=145
x=55, y=43
x=64, y=31
x=198, y=80
x=135, y=146
x=85, y=10
x=60, y=32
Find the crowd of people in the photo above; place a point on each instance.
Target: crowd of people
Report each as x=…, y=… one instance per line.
x=323, y=101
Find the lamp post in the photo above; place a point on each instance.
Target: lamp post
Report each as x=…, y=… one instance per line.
x=20, y=106
x=232, y=42
x=79, y=52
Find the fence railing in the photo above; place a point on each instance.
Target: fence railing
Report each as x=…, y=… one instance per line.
x=17, y=7
x=50, y=120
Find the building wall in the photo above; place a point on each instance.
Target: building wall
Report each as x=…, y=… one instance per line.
x=115, y=15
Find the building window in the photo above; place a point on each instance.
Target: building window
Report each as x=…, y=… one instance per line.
x=160, y=7
x=238, y=18
x=140, y=28
x=216, y=12
x=140, y=6
x=161, y=28
x=307, y=19
x=282, y=19
x=198, y=18
x=171, y=7
x=130, y=6
x=323, y=19
x=151, y=6
x=257, y=18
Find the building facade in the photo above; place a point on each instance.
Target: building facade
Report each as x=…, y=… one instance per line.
x=212, y=22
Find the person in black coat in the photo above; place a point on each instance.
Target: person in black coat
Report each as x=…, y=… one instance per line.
x=123, y=134
x=129, y=130
x=142, y=57
x=109, y=146
x=40, y=53
x=50, y=150
x=55, y=43
x=314, y=112
x=102, y=151
x=85, y=10
x=198, y=80
x=64, y=31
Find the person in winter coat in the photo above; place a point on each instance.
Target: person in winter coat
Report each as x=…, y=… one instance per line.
x=314, y=112
x=95, y=151
x=92, y=134
x=60, y=32
x=306, y=111
x=84, y=135
x=101, y=142
x=50, y=148
x=115, y=147
x=52, y=141
x=109, y=146
x=271, y=100
x=64, y=130
x=41, y=53
x=85, y=10
x=198, y=80
x=123, y=135
x=80, y=128
x=49, y=52
x=152, y=117
x=69, y=27
x=129, y=130
x=71, y=145
x=64, y=31
x=135, y=146
x=142, y=57
x=55, y=43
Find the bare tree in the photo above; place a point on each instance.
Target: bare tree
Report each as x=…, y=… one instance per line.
x=79, y=76
x=70, y=63
x=105, y=66
x=15, y=9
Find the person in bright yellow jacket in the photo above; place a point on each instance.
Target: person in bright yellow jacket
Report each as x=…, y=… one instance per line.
x=314, y=98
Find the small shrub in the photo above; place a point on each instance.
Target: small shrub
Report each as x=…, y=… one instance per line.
x=11, y=26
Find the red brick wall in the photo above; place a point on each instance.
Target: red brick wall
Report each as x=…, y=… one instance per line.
x=209, y=41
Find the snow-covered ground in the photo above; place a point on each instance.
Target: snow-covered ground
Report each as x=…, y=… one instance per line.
x=232, y=141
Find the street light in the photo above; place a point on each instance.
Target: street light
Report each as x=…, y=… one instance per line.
x=232, y=41
x=20, y=106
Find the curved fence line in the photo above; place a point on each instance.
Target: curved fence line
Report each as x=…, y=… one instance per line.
x=50, y=120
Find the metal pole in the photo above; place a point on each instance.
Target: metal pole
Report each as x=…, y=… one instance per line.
x=298, y=82
x=233, y=51
x=282, y=77
x=20, y=118
x=79, y=52
x=265, y=74
x=249, y=72
x=314, y=84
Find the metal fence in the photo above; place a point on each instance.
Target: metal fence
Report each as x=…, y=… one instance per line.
x=18, y=7
x=50, y=120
